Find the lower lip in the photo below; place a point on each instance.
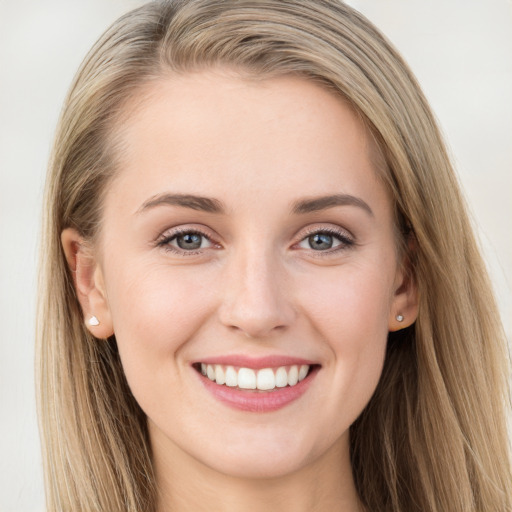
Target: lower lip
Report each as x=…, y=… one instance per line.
x=258, y=401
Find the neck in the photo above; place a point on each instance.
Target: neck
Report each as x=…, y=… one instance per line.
x=186, y=484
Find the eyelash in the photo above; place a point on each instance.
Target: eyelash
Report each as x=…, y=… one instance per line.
x=346, y=242
x=165, y=241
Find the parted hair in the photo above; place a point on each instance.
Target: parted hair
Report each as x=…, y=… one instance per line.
x=433, y=438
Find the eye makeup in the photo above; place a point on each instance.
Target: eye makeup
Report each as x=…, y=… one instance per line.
x=186, y=241
x=321, y=241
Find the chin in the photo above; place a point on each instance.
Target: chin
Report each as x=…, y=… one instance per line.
x=262, y=458
x=252, y=468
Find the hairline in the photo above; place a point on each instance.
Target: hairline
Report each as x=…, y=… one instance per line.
x=147, y=90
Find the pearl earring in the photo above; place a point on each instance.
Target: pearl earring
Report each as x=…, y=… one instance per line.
x=400, y=318
x=94, y=321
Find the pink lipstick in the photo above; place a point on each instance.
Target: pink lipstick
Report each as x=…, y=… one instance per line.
x=260, y=384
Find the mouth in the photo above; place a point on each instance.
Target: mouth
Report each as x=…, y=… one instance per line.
x=263, y=379
x=257, y=387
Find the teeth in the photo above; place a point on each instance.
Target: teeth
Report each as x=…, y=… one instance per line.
x=220, y=377
x=231, y=377
x=266, y=379
x=281, y=377
x=293, y=376
x=247, y=378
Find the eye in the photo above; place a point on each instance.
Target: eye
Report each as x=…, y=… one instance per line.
x=190, y=241
x=185, y=241
x=320, y=241
x=326, y=241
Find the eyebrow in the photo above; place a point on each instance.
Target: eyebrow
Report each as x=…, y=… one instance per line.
x=204, y=204
x=316, y=204
x=212, y=205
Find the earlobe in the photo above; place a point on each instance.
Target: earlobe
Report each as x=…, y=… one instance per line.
x=89, y=283
x=404, y=308
x=403, y=312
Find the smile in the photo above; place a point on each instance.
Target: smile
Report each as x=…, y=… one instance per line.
x=256, y=385
x=264, y=379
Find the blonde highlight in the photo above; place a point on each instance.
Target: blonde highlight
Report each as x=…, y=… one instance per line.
x=434, y=435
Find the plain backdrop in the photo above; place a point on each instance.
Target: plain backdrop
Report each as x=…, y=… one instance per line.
x=460, y=50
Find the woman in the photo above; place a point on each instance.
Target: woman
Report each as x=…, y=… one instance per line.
x=261, y=288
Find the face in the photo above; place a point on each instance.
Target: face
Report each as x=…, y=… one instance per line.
x=248, y=237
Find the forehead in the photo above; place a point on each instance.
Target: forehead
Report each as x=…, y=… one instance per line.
x=216, y=132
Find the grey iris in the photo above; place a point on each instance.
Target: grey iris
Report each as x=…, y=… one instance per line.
x=320, y=241
x=189, y=241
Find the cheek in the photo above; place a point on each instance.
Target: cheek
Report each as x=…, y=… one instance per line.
x=155, y=311
x=350, y=304
x=351, y=313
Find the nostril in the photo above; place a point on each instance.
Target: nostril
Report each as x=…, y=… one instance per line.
x=256, y=322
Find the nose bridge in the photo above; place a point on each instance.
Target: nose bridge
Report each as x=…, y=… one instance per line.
x=256, y=300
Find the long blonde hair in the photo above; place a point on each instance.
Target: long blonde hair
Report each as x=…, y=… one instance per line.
x=434, y=435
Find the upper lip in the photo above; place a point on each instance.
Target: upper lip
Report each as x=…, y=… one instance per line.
x=244, y=361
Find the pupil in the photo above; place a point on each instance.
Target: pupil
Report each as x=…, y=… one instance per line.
x=189, y=241
x=320, y=241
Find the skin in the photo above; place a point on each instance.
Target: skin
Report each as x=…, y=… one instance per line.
x=255, y=286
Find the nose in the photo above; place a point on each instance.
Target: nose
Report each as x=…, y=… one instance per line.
x=256, y=298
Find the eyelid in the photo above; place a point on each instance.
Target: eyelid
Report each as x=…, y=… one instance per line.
x=170, y=234
x=346, y=238
x=324, y=228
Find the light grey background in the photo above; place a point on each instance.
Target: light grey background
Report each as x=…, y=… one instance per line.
x=460, y=50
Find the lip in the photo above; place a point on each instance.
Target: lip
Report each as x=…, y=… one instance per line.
x=256, y=363
x=255, y=400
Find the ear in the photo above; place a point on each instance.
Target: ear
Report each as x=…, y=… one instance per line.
x=404, y=308
x=89, y=283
